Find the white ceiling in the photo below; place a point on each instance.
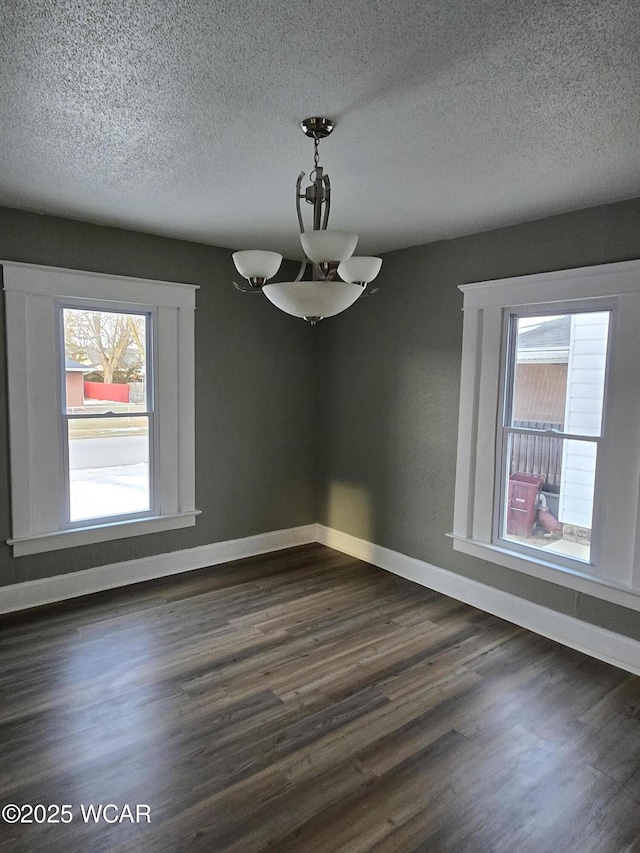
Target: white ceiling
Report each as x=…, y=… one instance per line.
x=180, y=117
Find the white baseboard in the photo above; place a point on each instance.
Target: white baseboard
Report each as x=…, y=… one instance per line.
x=20, y=596
x=598, y=642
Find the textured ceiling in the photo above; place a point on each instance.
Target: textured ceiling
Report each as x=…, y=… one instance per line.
x=180, y=117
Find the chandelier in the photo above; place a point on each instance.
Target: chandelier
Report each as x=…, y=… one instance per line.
x=337, y=276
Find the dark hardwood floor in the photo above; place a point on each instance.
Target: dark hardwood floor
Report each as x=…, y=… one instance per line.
x=305, y=701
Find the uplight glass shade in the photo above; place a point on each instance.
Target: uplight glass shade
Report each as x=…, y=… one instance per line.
x=312, y=298
x=360, y=268
x=254, y=263
x=323, y=246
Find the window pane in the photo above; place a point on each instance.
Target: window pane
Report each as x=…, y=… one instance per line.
x=559, y=372
x=105, y=364
x=549, y=494
x=108, y=467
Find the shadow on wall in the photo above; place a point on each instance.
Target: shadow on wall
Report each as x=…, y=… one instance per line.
x=413, y=494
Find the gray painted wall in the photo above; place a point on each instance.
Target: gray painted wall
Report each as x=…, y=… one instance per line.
x=255, y=406
x=352, y=423
x=389, y=371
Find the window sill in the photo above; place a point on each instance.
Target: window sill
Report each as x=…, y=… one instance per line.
x=602, y=588
x=100, y=533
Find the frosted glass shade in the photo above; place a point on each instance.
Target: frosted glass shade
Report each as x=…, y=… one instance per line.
x=254, y=263
x=312, y=298
x=360, y=268
x=323, y=246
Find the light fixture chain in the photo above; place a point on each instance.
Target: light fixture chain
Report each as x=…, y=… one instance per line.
x=316, y=153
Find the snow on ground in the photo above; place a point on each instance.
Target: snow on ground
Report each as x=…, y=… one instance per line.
x=116, y=490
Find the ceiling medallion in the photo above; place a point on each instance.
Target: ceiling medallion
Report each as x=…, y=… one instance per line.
x=338, y=277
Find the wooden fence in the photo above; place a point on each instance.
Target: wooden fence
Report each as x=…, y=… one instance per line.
x=538, y=454
x=112, y=392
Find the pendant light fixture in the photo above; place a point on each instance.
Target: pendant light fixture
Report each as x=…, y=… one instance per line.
x=337, y=276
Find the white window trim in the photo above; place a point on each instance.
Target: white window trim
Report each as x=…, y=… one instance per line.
x=32, y=296
x=617, y=576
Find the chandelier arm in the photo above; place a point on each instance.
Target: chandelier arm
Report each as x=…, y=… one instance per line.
x=327, y=201
x=316, y=191
x=303, y=267
x=298, y=197
x=245, y=289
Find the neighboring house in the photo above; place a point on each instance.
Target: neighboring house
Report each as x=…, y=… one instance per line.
x=541, y=373
x=583, y=415
x=74, y=373
x=558, y=387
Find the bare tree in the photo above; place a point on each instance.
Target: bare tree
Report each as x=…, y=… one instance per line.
x=115, y=341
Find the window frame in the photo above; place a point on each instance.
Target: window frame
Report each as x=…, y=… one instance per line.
x=478, y=505
x=34, y=298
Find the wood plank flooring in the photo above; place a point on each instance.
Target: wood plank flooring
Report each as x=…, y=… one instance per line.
x=305, y=701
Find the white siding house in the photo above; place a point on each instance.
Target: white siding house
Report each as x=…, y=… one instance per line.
x=583, y=415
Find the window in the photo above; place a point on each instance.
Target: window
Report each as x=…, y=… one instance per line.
x=101, y=406
x=552, y=426
x=108, y=419
x=549, y=436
